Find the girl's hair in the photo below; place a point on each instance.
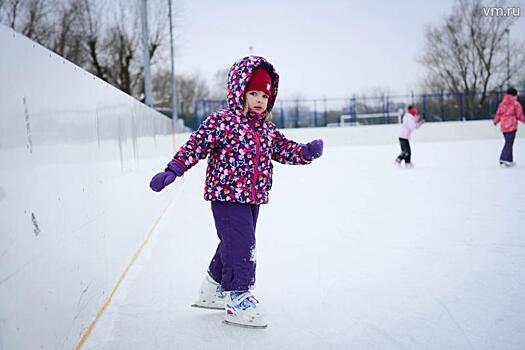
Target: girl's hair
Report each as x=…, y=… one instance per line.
x=268, y=113
x=512, y=91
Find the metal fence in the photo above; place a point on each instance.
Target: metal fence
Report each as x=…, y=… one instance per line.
x=368, y=110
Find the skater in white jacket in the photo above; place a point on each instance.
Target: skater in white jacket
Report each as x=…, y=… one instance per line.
x=411, y=121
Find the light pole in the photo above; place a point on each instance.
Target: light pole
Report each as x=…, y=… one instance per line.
x=507, y=31
x=173, y=82
x=145, y=43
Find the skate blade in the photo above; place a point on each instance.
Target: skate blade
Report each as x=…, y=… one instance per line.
x=207, y=307
x=245, y=325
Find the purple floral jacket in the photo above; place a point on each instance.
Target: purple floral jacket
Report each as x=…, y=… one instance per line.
x=240, y=147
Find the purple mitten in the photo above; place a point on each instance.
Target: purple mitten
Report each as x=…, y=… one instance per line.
x=313, y=150
x=163, y=179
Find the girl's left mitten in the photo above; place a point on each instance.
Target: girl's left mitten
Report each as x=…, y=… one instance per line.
x=313, y=150
x=161, y=180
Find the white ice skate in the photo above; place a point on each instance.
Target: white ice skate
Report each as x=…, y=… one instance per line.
x=211, y=295
x=506, y=164
x=242, y=310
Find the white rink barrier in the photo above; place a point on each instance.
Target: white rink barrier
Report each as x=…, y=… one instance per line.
x=76, y=156
x=386, y=134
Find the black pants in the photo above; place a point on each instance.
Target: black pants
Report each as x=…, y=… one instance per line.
x=506, y=152
x=405, y=151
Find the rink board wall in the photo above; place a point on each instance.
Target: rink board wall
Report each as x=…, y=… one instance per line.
x=76, y=156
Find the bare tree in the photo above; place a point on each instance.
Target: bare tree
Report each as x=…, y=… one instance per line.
x=521, y=82
x=102, y=37
x=115, y=50
x=29, y=17
x=56, y=24
x=162, y=88
x=189, y=88
x=67, y=30
x=518, y=67
x=467, y=52
x=94, y=46
x=121, y=55
x=10, y=12
x=220, y=84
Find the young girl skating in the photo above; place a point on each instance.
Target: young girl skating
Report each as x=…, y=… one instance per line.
x=240, y=142
x=508, y=113
x=411, y=121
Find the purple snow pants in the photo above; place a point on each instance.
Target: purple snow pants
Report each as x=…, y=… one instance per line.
x=506, y=152
x=233, y=265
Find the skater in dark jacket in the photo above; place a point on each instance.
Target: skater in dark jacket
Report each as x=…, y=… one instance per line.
x=240, y=142
x=508, y=113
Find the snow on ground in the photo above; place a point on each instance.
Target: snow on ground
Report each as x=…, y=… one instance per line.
x=353, y=252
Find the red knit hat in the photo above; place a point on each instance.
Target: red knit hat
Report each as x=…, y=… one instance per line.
x=260, y=81
x=412, y=110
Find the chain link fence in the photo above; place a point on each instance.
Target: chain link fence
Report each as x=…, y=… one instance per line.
x=369, y=110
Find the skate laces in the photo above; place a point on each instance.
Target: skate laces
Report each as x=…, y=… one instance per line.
x=246, y=302
x=220, y=292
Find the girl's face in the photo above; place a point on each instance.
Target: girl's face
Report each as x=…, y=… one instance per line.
x=257, y=100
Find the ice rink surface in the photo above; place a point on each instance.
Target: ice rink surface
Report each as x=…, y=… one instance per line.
x=352, y=252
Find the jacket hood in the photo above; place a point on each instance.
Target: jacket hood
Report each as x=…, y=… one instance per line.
x=239, y=75
x=509, y=100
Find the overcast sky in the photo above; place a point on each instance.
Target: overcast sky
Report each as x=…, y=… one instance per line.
x=331, y=47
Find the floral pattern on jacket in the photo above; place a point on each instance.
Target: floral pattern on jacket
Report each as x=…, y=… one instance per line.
x=240, y=146
x=508, y=113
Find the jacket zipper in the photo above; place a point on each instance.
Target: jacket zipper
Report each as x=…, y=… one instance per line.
x=256, y=161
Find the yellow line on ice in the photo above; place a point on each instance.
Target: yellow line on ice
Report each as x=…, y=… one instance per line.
x=86, y=334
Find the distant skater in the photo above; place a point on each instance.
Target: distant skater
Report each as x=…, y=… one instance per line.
x=411, y=121
x=508, y=113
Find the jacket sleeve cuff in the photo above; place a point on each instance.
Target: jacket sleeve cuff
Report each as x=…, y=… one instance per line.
x=177, y=167
x=303, y=158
